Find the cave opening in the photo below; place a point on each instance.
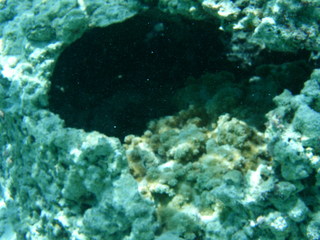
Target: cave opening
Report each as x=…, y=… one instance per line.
x=116, y=79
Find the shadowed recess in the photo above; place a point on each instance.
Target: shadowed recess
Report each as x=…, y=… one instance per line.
x=116, y=79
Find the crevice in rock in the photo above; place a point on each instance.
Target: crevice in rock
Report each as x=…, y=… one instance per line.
x=116, y=79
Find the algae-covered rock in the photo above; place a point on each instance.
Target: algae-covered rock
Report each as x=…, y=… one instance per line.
x=293, y=131
x=53, y=178
x=291, y=125
x=69, y=174
x=256, y=25
x=193, y=171
x=210, y=171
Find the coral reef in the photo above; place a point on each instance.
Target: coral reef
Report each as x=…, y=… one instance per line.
x=278, y=25
x=293, y=132
x=210, y=171
x=67, y=184
x=197, y=168
x=194, y=172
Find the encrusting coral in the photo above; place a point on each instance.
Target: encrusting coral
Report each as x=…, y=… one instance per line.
x=181, y=160
x=201, y=174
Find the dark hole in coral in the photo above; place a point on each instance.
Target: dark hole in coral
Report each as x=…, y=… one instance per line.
x=84, y=207
x=162, y=198
x=309, y=193
x=87, y=201
x=293, y=70
x=116, y=79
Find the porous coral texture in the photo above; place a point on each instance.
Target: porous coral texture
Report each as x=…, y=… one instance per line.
x=180, y=162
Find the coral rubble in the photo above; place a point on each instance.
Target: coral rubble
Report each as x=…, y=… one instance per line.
x=194, y=172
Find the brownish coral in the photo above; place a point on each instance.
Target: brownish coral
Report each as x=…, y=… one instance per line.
x=181, y=158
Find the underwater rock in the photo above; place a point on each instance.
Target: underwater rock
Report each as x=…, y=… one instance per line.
x=205, y=172
x=197, y=170
x=291, y=126
x=293, y=132
x=255, y=25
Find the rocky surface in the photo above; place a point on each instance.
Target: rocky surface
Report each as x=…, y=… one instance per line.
x=204, y=173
